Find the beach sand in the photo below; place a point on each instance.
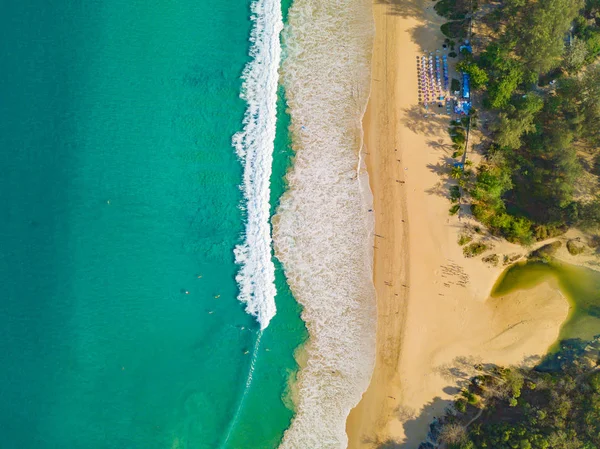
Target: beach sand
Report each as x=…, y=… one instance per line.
x=435, y=320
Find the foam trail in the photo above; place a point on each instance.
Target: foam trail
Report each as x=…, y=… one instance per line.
x=323, y=231
x=233, y=421
x=254, y=145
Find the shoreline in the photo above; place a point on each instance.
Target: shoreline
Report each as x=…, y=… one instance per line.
x=322, y=227
x=434, y=314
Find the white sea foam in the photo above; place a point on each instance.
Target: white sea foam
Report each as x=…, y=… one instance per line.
x=323, y=231
x=254, y=146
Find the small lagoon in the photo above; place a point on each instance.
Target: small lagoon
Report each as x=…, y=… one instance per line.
x=581, y=287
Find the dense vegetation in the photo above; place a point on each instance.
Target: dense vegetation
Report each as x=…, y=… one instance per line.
x=554, y=406
x=539, y=79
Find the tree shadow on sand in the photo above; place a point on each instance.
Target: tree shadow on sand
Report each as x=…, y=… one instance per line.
x=422, y=429
x=404, y=8
x=417, y=429
x=433, y=125
x=415, y=9
x=442, y=168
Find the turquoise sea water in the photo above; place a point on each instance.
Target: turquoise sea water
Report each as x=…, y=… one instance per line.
x=120, y=188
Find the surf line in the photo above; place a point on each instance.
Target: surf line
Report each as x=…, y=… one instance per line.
x=254, y=145
x=240, y=406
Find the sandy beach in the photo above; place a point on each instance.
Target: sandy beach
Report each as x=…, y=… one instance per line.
x=435, y=319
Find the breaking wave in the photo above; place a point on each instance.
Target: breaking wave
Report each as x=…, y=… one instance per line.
x=254, y=146
x=323, y=231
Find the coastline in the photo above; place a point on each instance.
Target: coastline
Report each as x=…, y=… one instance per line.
x=322, y=229
x=435, y=318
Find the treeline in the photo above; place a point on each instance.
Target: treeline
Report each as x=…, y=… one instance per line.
x=540, y=79
x=516, y=408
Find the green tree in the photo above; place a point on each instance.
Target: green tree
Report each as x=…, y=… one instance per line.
x=479, y=76
x=576, y=55
x=540, y=35
x=502, y=88
x=513, y=126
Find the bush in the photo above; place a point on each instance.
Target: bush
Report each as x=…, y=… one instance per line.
x=454, y=209
x=492, y=259
x=452, y=9
x=453, y=54
x=574, y=247
x=596, y=165
x=464, y=239
x=460, y=405
x=456, y=29
x=454, y=194
x=474, y=249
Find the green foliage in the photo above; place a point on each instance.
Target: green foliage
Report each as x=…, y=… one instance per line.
x=454, y=194
x=479, y=76
x=492, y=259
x=454, y=209
x=575, y=248
x=474, y=249
x=512, y=126
x=576, y=55
x=460, y=405
x=464, y=239
x=453, y=9
x=562, y=412
x=456, y=29
x=502, y=88
x=526, y=189
x=590, y=215
x=592, y=43
x=541, y=32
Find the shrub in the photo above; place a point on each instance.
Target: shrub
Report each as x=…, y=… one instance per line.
x=574, y=247
x=453, y=55
x=454, y=194
x=474, y=249
x=456, y=29
x=460, y=405
x=464, y=239
x=492, y=259
x=454, y=209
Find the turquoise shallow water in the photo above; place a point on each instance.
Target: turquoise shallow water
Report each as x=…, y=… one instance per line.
x=120, y=188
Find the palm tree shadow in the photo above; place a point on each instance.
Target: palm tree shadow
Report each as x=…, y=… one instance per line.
x=432, y=125
x=404, y=8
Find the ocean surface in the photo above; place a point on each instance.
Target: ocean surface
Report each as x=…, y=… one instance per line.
x=124, y=200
